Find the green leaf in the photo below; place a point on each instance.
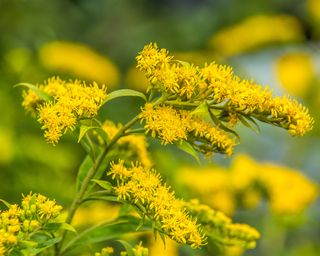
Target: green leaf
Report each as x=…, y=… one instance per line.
x=251, y=119
x=220, y=125
x=201, y=111
x=52, y=227
x=124, y=93
x=127, y=246
x=84, y=129
x=5, y=203
x=183, y=63
x=247, y=124
x=42, y=246
x=42, y=95
x=103, y=232
x=83, y=170
x=104, y=198
x=186, y=147
x=103, y=183
x=28, y=244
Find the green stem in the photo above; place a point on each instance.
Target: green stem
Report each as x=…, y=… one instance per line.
x=181, y=103
x=79, y=197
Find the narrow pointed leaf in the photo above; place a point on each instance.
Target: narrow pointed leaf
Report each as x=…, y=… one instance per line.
x=186, y=147
x=220, y=125
x=124, y=93
x=84, y=129
x=247, y=124
x=103, y=183
x=5, y=203
x=103, y=232
x=42, y=95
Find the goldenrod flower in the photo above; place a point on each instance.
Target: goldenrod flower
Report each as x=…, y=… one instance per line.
x=165, y=122
x=143, y=187
x=216, y=86
x=19, y=222
x=151, y=58
x=172, y=125
x=220, y=227
x=80, y=60
x=72, y=101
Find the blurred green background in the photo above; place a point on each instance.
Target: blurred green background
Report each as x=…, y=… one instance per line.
x=111, y=33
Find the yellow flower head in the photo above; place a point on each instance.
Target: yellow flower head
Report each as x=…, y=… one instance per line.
x=218, y=226
x=165, y=122
x=143, y=187
x=70, y=102
x=151, y=57
x=172, y=125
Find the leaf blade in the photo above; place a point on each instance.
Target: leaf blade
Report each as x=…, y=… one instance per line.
x=124, y=93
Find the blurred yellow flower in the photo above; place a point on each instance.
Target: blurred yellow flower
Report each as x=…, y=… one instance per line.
x=94, y=213
x=211, y=185
x=221, y=228
x=136, y=79
x=157, y=247
x=256, y=31
x=296, y=72
x=79, y=60
x=135, y=143
x=286, y=190
x=6, y=146
x=314, y=8
x=289, y=191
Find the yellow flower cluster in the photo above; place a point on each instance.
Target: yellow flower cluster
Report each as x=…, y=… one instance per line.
x=18, y=222
x=219, y=226
x=80, y=60
x=246, y=181
x=228, y=97
x=256, y=31
x=70, y=102
x=135, y=144
x=143, y=188
x=173, y=125
x=138, y=250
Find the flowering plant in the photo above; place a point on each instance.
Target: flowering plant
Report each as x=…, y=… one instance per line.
x=194, y=108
